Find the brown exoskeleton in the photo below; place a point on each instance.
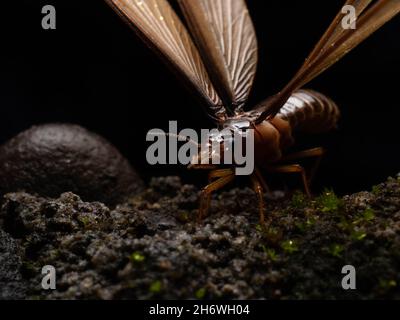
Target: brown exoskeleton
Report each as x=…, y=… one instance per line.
x=220, y=66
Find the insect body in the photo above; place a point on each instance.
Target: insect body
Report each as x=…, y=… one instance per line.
x=305, y=111
x=218, y=61
x=309, y=111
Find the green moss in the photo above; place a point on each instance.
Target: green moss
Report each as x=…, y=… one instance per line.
x=270, y=253
x=84, y=220
x=298, y=200
x=54, y=255
x=358, y=235
x=137, y=257
x=336, y=250
x=369, y=214
x=376, y=190
x=329, y=202
x=289, y=246
x=156, y=287
x=271, y=234
x=345, y=224
x=304, y=225
x=311, y=221
x=387, y=284
x=201, y=293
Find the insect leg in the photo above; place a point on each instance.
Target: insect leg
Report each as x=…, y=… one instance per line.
x=262, y=180
x=259, y=190
x=293, y=168
x=310, y=153
x=205, y=195
x=219, y=174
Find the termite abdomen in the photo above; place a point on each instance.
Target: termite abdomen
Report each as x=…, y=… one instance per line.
x=311, y=112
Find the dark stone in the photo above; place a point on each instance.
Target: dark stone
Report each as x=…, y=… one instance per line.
x=55, y=158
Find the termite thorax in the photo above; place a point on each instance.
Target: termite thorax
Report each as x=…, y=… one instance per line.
x=271, y=137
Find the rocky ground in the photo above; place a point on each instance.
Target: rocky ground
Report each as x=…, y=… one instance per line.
x=150, y=247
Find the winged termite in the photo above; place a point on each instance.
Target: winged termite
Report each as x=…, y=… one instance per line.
x=225, y=40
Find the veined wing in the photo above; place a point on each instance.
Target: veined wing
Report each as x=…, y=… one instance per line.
x=159, y=26
x=225, y=35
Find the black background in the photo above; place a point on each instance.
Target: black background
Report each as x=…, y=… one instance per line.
x=93, y=71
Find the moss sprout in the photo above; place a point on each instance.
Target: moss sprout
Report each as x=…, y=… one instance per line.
x=336, y=250
x=273, y=235
x=345, y=224
x=270, y=233
x=289, y=246
x=304, y=225
x=156, y=287
x=311, y=221
x=201, y=293
x=358, y=235
x=387, y=284
x=270, y=253
x=329, y=202
x=369, y=214
x=85, y=221
x=137, y=257
x=376, y=190
x=298, y=200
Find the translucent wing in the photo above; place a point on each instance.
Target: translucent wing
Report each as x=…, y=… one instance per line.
x=335, y=30
x=158, y=25
x=370, y=21
x=225, y=34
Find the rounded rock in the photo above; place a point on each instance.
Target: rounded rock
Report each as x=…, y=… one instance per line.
x=54, y=158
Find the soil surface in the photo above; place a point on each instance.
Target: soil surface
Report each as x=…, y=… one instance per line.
x=151, y=248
